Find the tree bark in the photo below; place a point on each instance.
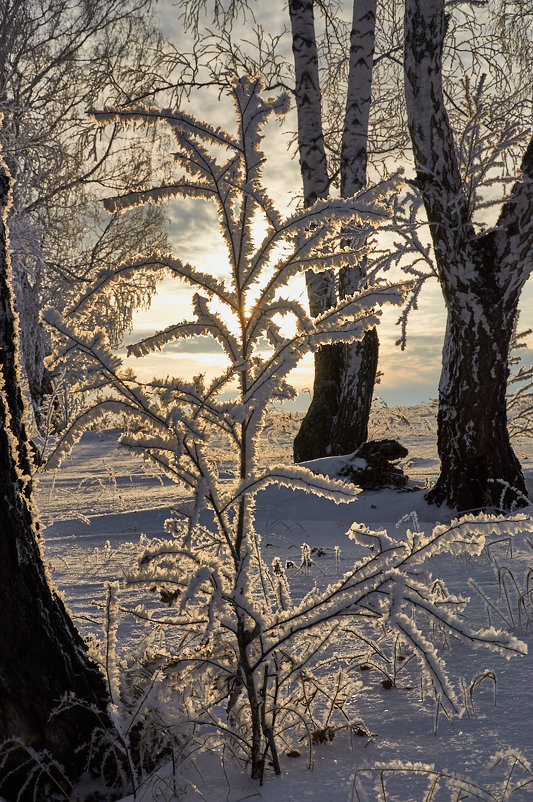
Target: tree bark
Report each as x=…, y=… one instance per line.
x=32, y=345
x=481, y=278
x=358, y=368
x=479, y=469
x=42, y=656
x=313, y=438
x=337, y=419
x=358, y=361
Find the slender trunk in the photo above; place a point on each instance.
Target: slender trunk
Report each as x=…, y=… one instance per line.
x=244, y=634
x=313, y=439
x=313, y=164
x=337, y=419
x=42, y=656
x=243, y=639
x=481, y=277
x=358, y=98
x=358, y=361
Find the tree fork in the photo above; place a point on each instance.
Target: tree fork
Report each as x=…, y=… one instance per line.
x=481, y=278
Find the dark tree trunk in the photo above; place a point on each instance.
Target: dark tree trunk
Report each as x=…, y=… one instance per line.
x=358, y=368
x=481, y=277
x=479, y=469
x=42, y=656
x=314, y=436
x=337, y=419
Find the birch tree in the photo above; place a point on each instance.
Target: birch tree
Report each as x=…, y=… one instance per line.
x=337, y=419
x=482, y=273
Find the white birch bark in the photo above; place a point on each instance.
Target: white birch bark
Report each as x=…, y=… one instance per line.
x=358, y=98
x=358, y=361
x=314, y=435
x=309, y=102
x=312, y=154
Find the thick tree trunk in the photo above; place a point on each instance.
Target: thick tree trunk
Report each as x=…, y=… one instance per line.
x=479, y=469
x=481, y=277
x=337, y=418
x=42, y=656
x=313, y=439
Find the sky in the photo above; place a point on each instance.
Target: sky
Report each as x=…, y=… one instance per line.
x=408, y=377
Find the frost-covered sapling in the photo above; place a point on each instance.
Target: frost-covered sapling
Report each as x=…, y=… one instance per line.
x=251, y=653
x=219, y=574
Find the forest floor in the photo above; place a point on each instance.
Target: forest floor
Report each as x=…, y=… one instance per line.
x=103, y=501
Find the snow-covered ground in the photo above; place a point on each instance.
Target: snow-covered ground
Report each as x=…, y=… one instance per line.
x=103, y=501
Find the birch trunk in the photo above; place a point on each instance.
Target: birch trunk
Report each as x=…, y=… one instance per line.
x=313, y=437
x=337, y=419
x=42, y=656
x=358, y=361
x=481, y=277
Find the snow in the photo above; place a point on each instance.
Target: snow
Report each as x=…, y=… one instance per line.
x=103, y=504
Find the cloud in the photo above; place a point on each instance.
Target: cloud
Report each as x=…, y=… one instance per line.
x=194, y=233
x=176, y=364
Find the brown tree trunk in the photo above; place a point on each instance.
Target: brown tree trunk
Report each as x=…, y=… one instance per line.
x=42, y=656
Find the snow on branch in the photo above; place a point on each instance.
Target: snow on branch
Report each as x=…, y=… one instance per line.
x=84, y=421
x=175, y=119
x=155, y=261
x=295, y=478
x=184, y=189
x=309, y=229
